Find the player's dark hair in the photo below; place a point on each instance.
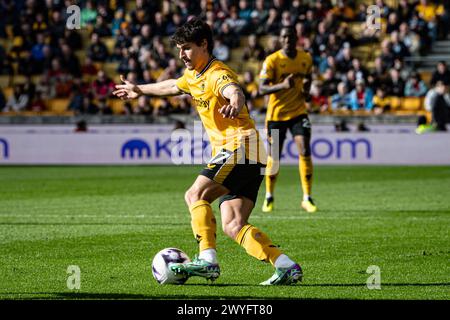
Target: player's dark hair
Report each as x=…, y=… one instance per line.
x=290, y=28
x=195, y=30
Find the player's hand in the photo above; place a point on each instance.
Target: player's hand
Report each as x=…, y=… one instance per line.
x=229, y=111
x=127, y=90
x=288, y=82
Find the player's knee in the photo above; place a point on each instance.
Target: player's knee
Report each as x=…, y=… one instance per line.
x=192, y=195
x=232, y=228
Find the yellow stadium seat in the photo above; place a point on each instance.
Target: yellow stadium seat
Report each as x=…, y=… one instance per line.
x=58, y=105
x=8, y=92
x=4, y=81
x=109, y=43
x=412, y=103
x=116, y=105
x=426, y=76
x=396, y=102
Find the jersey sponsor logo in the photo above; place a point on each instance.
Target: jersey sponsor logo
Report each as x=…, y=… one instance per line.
x=200, y=103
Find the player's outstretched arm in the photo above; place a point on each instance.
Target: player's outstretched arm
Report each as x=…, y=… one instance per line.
x=266, y=88
x=129, y=90
x=236, y=100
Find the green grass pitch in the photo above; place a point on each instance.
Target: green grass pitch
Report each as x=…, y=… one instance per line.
x=110, y=221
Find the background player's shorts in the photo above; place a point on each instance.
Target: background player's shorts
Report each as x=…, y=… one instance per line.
x=242, y=178
x=298, y=126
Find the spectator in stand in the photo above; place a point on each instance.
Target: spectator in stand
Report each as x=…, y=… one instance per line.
x=119, y=18
x=89, y=106
x=393, y=23
x=404, y=10
x=230, y=38
x=160, y=24
x=272, y=24
x=301, y=34
x=88, y=68
x=272, y=45
x=395, y=84
x=333, y=45
x=59, y=79
x=245, y=10
x=172, y=71
x=221, y=51
x=57, y=28
x=398, y=48
x=420, y=27
x=442, y=73
x=430, y=12
x=261, y=10
x=319, y=102
x=344, y=58
x=321, y=36
x=103, y=86
x=409, y=38
x=37, y=53
x=330, y=83
x=341, y=100
x=101, y=27
x=38, y=104
x=104, y=108
x=360, y=71
x=237, y=24
x=70, y=61
x=254, y=50
x=175, y=22
x=415, y=87
x=361, y=98
x=437, y=101
x=381, y=102
x=256, y=25
x=76, y=100
x=251, y=92
x=18, y=101
x=88, y=14
x=97, y=51
x=387, y=57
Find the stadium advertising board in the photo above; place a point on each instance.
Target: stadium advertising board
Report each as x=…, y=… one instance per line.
x=159, y=145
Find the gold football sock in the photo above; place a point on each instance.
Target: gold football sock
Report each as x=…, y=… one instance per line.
x=271, y=175
x=306, y=170
x=257, y=244
x=203, y=224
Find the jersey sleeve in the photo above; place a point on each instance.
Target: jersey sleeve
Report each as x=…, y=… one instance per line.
x=182, y=84
x=267, y=70
x=309, y=65
x=221, y=79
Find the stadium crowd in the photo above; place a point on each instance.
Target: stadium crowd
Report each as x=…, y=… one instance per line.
x=59, y=63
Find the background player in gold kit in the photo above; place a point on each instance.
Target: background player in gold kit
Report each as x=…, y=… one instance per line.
x=286, y=77
x=234, y=173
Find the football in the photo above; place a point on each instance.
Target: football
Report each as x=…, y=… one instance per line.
x=161, y=266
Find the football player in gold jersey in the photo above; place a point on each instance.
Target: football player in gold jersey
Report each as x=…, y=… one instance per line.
x=286, y=77
x=234, y=174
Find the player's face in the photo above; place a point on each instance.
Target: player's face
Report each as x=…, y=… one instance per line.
x=192, y=55
x=288, y=39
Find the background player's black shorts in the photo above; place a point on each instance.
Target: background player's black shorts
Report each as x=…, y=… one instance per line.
x=298, y=126
x=242, y=179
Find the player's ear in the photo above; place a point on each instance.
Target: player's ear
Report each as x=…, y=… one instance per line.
x=204, y=44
